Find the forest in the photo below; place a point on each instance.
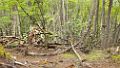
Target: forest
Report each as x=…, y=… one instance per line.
x=59, y=33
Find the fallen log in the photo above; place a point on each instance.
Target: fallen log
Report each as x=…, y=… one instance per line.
x=58, y=51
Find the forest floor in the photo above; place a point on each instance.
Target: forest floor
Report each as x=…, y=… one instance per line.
x=66, y=60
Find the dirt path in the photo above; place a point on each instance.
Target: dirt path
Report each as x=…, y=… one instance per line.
x=105, y=64
x=58, y=61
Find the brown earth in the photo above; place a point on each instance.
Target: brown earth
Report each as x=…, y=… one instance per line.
x=56, y=61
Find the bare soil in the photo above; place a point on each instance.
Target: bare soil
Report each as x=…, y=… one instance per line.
x=55, y=61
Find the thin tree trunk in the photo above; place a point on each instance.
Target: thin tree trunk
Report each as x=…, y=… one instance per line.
x=109, y=22
x=1, y=32
x=109, y=13
x=92, y=11
x=114, y=38
x=96, y=18
x=103, y=24
x=14, y=21
x=18, y=23
x=62, y=17
x=67, y=9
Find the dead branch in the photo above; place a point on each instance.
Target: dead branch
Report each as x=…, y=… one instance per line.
x=7, y=65
x=14, y=37
x=20, y=63
x=117, y=50
x=77, y=54
x=80, y=58
x=59, y=51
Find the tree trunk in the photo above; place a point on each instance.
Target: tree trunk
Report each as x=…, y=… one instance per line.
x=96, y=18
x=66, y=11
x=14, y=22
x=109, y=22
x=18, y=23
x=103, y=24
x=92, y=11
x=1, y=32
x=62, y=17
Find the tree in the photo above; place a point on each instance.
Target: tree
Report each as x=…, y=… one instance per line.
x=62, y=16
x=96, y=27
x=14, y=21
x=103, y=28
x=109, y=20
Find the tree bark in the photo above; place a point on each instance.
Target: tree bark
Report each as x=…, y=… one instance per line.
x=18, y=23
x=103, y=25
x=62, y=17
x=109, y=22
x=92, y=11
x=14, y=22
x=96, y=18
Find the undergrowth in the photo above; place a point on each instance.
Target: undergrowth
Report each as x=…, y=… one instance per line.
x=116, y=58
x=95, y=55
x=3, y=53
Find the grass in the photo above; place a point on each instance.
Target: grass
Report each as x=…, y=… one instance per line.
x=68, y=55
x=95, y=55
x=116, y=58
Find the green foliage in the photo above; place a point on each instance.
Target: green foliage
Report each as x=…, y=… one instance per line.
x=3, y=53
x=78, y=12
x=5, y=19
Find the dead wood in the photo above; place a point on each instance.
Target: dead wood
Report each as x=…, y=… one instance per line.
x=82, y=63
x=14, y=37
x=58, y=51
x=20, y=63
x=7, y=65
x=117, y=50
